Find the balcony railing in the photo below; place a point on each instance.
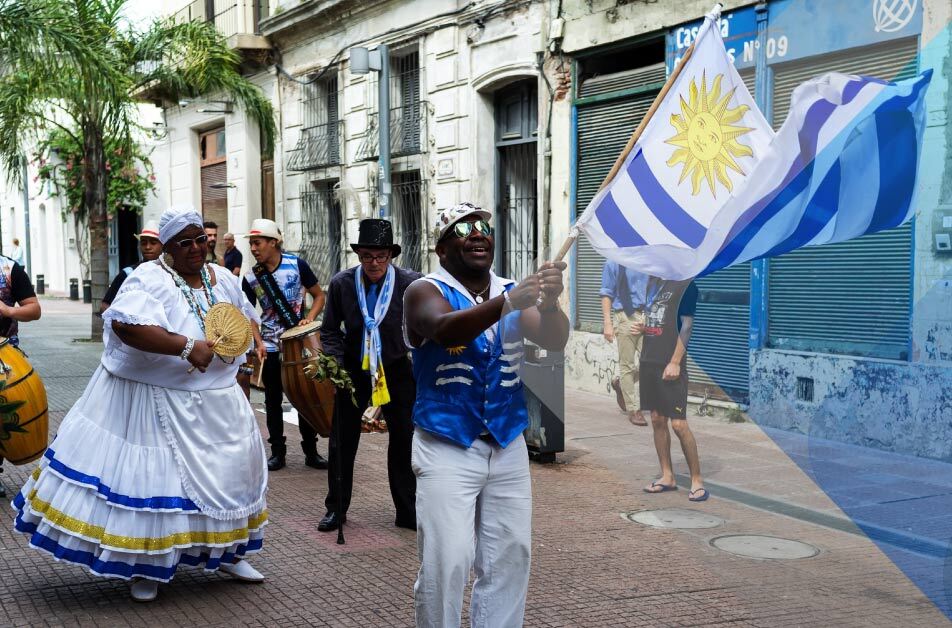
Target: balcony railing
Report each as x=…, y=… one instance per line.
x=406, y=129
x=231, y=17
x=317, y=147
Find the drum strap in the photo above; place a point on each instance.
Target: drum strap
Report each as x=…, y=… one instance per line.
x=279, y=302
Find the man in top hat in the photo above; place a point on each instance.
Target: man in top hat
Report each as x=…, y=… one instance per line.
x=363, y=330
x=277, y=282
x=474, y=494
x=149, y=247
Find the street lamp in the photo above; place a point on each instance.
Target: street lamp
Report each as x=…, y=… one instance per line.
x=362, y=61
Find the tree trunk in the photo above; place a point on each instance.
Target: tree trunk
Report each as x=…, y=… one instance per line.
x=94, y=194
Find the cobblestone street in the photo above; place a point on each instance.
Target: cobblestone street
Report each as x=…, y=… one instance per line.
x=591, y=565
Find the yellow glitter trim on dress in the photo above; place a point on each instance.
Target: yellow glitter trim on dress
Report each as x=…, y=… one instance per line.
x=143, y=544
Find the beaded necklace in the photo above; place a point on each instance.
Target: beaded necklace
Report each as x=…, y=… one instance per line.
x=194, y=304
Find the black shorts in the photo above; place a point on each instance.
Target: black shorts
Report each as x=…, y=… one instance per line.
x=667, y=398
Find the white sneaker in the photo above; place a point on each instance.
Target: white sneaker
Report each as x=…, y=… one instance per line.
x=242, y=571
x=143, y=590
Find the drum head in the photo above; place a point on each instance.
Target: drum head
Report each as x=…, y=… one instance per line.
x=300, y=330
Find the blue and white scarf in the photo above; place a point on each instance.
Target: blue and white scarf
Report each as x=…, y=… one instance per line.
x=371, y=358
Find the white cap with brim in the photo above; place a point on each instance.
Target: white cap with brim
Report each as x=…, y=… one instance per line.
x=448, y=217
x=264, y=228
x=150, y=230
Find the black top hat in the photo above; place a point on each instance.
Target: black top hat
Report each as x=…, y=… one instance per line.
x=376, y=233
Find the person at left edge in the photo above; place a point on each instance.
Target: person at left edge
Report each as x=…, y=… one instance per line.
x=157, y=465
x=149, y=247
x=18, y=303
x=278, y=282
x=374, y=321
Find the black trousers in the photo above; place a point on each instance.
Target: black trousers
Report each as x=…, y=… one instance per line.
x=273, y=398
x=399, y=416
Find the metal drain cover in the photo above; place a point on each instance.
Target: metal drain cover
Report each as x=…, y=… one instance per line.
x=674, y=518
x=770, y=547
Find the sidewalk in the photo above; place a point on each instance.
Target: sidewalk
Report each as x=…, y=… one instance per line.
x=901, y=502
x=591, y=565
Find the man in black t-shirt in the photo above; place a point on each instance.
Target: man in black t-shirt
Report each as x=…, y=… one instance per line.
x=232, y=257
x=149, y=247
x=664, y=378
x=18, y=303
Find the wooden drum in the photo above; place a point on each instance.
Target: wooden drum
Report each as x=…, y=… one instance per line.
x=313, y=400
x=24, y=416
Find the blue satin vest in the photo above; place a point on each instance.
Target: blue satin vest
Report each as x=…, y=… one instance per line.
x=465, y=391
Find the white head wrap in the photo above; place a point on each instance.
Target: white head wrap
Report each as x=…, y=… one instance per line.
x=176, y=218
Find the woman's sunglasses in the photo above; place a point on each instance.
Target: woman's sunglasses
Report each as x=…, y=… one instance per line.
x=188, y=242
x=463, y=229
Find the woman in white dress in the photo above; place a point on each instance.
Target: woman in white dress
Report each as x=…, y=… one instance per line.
x=156, y=467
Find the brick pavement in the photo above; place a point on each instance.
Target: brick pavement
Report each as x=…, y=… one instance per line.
x=590, y=566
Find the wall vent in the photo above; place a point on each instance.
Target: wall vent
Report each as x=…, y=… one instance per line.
x=805, y=389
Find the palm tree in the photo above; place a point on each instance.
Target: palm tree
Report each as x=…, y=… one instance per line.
x=78, y=66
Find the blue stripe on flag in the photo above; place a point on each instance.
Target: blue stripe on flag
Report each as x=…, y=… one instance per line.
x=680, y=223
x=614, y=223
x=821, y=208
x=898, y=149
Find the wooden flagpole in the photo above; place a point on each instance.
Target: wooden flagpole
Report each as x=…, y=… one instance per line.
x=573, y=235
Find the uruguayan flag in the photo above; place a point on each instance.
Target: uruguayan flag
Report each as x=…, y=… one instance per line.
x=709, y=184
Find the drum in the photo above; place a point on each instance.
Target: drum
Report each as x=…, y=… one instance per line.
x=313, y=400
x=24, y=417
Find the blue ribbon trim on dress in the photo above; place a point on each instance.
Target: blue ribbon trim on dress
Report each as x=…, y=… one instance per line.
x=153, y=503
x=125, y=570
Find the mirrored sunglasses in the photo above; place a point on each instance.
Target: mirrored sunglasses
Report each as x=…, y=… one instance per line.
x=463, y=229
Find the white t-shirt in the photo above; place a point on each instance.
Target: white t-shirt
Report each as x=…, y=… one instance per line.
x=149, y=296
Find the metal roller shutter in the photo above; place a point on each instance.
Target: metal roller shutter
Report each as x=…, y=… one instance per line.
x=215, y=195
x=853, y=297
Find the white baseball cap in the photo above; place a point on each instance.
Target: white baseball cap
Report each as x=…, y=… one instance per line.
x=448, y=217
x=150, y=230
x=264, y=228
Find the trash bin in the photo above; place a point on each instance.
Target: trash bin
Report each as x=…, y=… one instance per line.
x=74, y=289
x=543, y=377
x=40, y=284
x=87, y=291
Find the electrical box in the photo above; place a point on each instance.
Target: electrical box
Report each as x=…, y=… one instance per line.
x=942, y=230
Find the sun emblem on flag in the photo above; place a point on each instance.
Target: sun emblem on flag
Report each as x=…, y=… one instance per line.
x=456, y=350
x=706, y=138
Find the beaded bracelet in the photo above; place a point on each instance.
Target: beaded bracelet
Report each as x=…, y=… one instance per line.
x=187, y=351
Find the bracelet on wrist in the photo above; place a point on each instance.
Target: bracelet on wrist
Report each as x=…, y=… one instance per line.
x=187, y=351
x=505, y=296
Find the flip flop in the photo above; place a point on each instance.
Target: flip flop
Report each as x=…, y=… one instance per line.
x=664, y=488
x=703, y=498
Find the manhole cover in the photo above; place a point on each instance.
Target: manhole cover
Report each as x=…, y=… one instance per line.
x=674, y=518
x=758, y=546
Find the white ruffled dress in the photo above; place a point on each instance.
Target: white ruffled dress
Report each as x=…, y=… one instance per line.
x=153, y=467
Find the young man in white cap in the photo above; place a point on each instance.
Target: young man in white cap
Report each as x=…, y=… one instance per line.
x=277, y=282
x=474, y=497
x=149, y=247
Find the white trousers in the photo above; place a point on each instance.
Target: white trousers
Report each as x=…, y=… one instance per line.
x=474, y=510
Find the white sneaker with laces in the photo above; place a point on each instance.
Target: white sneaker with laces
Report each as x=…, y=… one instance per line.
x=143, y=590
x=242, y=571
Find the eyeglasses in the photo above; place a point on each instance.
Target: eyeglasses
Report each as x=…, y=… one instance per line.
x=188, y=242
x=463, y=229
x=367, y=258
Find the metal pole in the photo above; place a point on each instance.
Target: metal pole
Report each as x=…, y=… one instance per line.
x=26, y=216
x=383, y=107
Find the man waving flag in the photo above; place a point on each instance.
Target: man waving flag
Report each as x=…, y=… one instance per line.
x=707, y=183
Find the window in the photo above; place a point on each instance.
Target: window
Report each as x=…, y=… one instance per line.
x=319, y=143
x=321, y=239
x=408, y=220
x=406, y=110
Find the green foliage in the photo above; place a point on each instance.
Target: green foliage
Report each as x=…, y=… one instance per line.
x=325, y=367
x=736, y=415
x=129, y=177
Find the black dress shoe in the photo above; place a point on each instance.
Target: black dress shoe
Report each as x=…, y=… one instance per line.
x=275, y=463
x=315, y=461
x=331, y=521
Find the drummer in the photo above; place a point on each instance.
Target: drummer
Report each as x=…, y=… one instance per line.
x=277, y=282
x=18, y=303
x=367, y=301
